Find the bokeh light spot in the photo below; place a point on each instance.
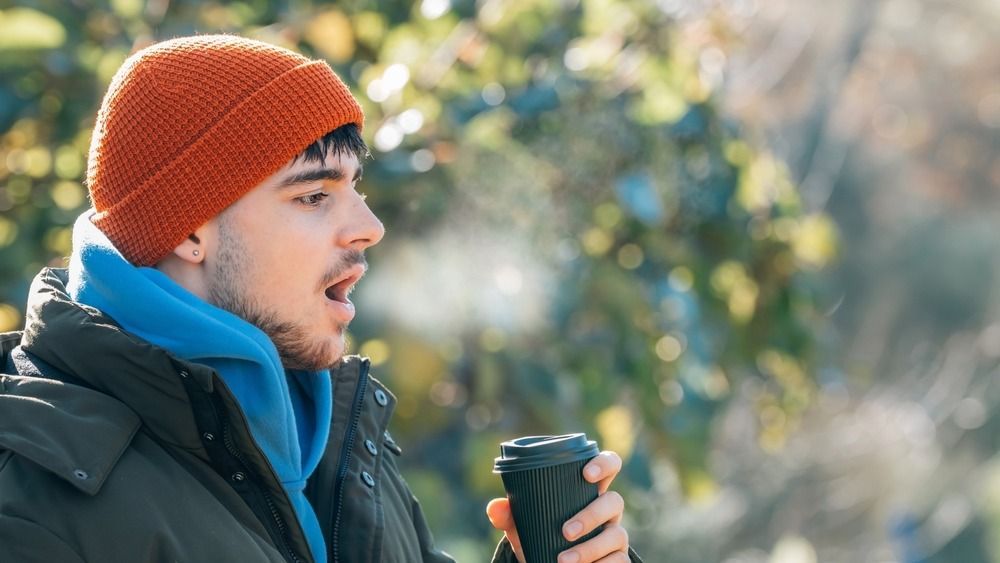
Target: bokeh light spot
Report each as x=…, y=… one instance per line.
x=615, y=425
x=377, y=350
x=331, y=34
x=377, y=91
x=67, y=195
x=478, y=417
x=396, y=76
x=970, y=414
x=10, y=318
x=37, y=162
x=816, y=242
x=671, y=393
x=8, y=231
x=410, y=121
x=793, y=549
x=509, y=280
x=68, y=163
x=494, y=94
x=668, y=348
x=24, y=28
x=596, y=242
x=608, y=215
x=422, y=160
x=630, y=256
x=433, y=9
x=59, y=240
x=388, y=137
x=681, y=279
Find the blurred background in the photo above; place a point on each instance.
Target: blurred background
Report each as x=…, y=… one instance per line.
x=750, y=245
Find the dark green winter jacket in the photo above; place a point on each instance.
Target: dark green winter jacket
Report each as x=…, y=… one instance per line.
x=112, y=449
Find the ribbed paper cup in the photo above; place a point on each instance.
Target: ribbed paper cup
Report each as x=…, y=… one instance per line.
x=543, y=477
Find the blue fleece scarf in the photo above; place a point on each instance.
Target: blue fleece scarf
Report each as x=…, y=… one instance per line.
x=288, y=410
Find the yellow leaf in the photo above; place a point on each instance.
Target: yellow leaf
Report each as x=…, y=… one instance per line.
x=24, y=28
x=331, y=34
x=596, y=242
x=127, y=9
x=10, y=319
x=8, y=231
x=37, y=161
x=377, y=350
x=816, y=243
x=700, y=487
x=67, y=195
x=370, y=27
x=615, y=426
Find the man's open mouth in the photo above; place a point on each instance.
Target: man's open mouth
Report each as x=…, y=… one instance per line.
x=342, y=286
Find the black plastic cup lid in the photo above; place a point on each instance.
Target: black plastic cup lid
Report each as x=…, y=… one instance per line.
x=534, y=452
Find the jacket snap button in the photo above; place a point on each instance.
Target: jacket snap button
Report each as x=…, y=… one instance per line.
x=208, y=436
x=381, y=398
x=371, y=447
x=80, y=474
x=368, y=479
x=239, y=477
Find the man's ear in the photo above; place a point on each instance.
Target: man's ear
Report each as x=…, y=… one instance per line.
x=192, y=249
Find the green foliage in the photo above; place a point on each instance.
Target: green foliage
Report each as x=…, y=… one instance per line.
x=601, y=250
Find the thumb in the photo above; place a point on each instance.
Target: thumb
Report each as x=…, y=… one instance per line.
x=498, y=511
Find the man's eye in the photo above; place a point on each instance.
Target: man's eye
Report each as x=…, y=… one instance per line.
x=313, y=200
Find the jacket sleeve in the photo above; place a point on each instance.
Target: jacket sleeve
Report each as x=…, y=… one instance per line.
x=505, y=553
x=22, y=541
x=428, y=552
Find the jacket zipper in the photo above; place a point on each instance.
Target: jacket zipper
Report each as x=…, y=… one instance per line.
x=345, y=457
x=279, y=522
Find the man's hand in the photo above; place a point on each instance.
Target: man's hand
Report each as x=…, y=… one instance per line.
x=610, y=546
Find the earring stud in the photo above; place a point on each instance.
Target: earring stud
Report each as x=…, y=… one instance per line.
x=196, y=252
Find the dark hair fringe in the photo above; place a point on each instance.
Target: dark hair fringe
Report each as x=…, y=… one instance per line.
x=344, y=139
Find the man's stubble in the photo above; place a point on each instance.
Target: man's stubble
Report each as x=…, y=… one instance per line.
x=231, y=289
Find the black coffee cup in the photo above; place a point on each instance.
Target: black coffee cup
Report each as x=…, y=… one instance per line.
x=543, y=477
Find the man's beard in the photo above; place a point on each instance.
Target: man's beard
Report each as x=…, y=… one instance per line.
x=228, y=289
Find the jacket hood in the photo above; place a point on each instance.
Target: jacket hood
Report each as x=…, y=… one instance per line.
x=118, y=380
x=42, y=419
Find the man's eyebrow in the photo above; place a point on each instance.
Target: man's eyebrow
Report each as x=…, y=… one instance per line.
x=331, y=174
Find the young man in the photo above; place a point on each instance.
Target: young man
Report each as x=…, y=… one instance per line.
x=179, y=393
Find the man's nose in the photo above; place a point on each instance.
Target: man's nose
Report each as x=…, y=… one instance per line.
x=364, y=229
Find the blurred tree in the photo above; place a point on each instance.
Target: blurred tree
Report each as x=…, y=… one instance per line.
x=889, y=114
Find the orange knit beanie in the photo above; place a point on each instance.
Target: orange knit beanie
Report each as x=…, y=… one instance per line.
x=188, y=126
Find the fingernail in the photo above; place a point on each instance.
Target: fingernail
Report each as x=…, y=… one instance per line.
x=568, y=557
x=593, y=471
x=573, y=529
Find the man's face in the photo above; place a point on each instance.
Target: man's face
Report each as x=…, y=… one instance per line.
x=289, y=252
